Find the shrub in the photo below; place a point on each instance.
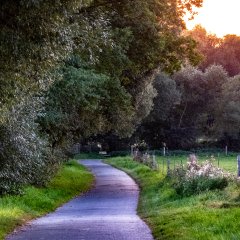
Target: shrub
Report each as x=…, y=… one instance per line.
x=199, y=184
x=198, y=178
x=25, y=157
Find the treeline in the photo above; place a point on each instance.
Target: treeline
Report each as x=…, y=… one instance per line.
x=198, y=106
x=74, y=69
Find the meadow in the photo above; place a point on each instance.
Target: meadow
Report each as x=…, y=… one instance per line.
x=226, y=162
x=209, y=215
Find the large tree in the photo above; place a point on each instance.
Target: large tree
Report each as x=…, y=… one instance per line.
x=227, y=110
x=121, y=42
x=222, y=51
x=83, y=104
x=186, y=108
x=154, y=127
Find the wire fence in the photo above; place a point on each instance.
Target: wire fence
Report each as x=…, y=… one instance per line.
x=228, y=162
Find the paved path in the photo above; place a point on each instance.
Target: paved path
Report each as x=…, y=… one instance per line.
x=107, y=212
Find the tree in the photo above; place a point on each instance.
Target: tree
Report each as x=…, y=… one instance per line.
x=224, y=52
x=200, y=91
x=154, y=127
x=122, y=43
x=185, y=109
x=35, y=36
x=25, y=157
x=85, y=103
x=228, y=109
x=227, y=54
x=206, y=44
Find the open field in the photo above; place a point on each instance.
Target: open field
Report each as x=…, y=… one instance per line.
x=70, y=181
x=211, y=215
x=228, y=163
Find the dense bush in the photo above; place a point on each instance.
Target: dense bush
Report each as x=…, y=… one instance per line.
x=188, y=187
x=25, y=156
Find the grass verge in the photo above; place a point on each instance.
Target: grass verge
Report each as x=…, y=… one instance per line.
x=211, y=215
x=70, y=181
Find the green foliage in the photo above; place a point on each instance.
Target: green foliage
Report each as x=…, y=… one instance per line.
x=25, y=157
x=35, y=35
x=199, y=91
x=199, y=184
x=85, y=103
x=150, y=39
x=165, y=102
x=227, y=108
x=121, y=45
x=186, y=107
x=168, y=97
x=70, y=181
x=155, y=27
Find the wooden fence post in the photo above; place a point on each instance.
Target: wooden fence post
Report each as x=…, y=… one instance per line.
x=238, y=165
x=163, y=167
x=132, y=152
x=168, y=167
x=154, y=162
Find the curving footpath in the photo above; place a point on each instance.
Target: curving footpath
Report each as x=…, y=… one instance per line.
x=107, y=212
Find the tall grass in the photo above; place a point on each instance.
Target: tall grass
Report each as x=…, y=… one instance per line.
x=210, y=215
x=70, y=181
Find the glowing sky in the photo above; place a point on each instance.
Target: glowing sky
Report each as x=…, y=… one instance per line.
x=220, y=17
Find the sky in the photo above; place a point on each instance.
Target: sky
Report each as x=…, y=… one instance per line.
x=220, y=17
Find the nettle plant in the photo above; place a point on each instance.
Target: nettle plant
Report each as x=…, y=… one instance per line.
x=196, y=178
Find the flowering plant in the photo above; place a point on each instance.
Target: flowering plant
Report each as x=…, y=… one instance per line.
x=206, y=169
x=196, y=178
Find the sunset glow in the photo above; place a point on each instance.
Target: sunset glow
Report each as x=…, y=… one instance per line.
x=220, y=17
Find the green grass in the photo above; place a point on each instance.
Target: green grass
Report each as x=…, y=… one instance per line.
x=209, y=216
x=70, y=181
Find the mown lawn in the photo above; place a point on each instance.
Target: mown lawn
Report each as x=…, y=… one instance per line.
x=70, y=181
x=210, y=215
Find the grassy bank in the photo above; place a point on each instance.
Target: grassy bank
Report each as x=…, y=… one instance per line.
x=210, y=215
x=71, y=180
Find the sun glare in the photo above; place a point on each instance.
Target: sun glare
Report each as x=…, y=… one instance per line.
x=220, y=17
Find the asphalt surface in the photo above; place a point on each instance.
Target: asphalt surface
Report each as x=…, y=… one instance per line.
x=107, y=212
